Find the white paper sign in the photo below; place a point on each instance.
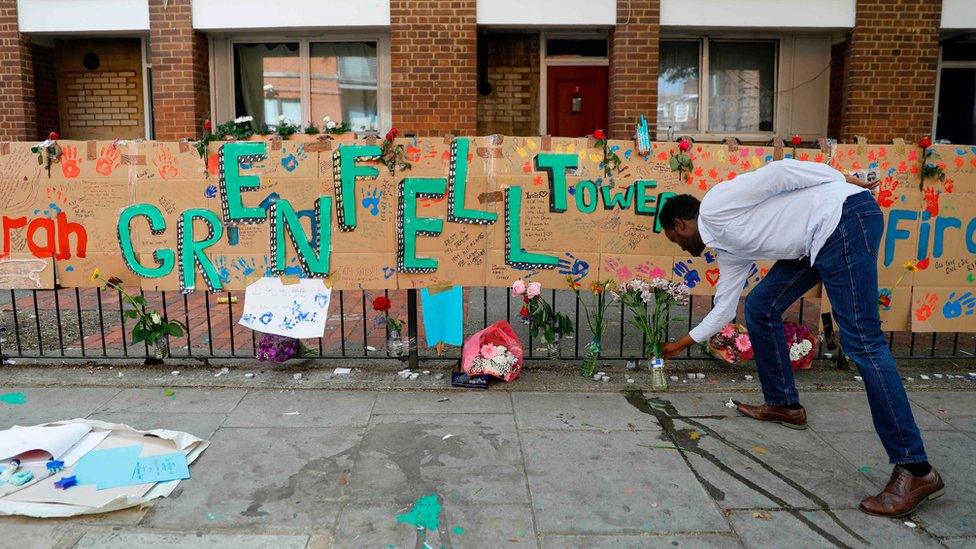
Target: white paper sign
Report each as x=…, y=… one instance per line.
x=292, y=310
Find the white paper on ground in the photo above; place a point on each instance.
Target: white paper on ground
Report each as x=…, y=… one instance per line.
x=41, y=499
x=40, y=442
x=292, y=310
x=84, y=446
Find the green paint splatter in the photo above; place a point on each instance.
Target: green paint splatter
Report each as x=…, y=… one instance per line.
x=970, y=278
x=424, y=513
x=169, y=393
x=866, y=469
x=14, y=398
x=458, y=530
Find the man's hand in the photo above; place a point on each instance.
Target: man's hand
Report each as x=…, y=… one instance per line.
x=675, y=348
x=860, y=182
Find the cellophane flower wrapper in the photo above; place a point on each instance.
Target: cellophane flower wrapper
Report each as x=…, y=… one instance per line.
x=495, y=351
x=802, y=345
x=276, y=348
x=731, y=345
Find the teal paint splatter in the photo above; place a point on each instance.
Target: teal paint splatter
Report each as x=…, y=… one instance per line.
x=458, y=530
x=424, y=513
x=866, y=469
x=14, y=398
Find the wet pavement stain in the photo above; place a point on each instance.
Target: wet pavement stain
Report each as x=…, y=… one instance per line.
x=667, y=415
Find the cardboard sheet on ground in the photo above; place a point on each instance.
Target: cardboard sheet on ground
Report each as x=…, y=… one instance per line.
x=291, y=310
x=41, y=499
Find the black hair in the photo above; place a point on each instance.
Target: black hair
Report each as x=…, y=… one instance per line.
x=682, y=206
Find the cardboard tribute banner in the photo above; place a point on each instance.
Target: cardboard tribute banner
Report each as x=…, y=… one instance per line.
x=470, y=211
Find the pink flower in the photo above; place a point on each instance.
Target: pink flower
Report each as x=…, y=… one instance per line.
x=518, y=287
x=742, y=343
x=533, y=290
x=489, y=351
x=728, y=331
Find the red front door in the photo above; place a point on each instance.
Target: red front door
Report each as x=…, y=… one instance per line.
x=577, y=100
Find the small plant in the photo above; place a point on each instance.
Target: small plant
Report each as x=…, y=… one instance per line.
x=539, y=314
x=311, y=129
x=48, y=151
x=681, y=162
x=393, y=156
x=332, y=127
x=796, y=141
x=285, y=128
x=611, y=162
x=383, y=304
x=595, y=312
x=241, y=128
x=264, y=130
x=151, y=326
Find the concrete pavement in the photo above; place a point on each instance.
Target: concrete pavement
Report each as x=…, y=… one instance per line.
x=511, y=469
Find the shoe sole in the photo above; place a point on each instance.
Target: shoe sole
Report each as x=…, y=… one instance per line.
x=934, y=495
x=793, y=426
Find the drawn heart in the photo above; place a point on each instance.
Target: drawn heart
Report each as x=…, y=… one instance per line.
x=762, y=273
x=711, y=276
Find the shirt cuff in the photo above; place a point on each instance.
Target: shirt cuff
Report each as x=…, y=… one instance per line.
x=700, y=333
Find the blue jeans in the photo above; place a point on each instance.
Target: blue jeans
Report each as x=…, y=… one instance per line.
x=848, y=267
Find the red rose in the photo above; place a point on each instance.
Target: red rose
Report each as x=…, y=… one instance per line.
x=207, y=126
x=885, y=300
x=796, y=140
x=524, y=312
x=925, y=142
x=392, y=134
x=599, y=135
x=54, y=136
x=381, y=304
x=684, y=145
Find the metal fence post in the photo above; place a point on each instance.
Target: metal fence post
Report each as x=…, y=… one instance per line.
x=412, y=356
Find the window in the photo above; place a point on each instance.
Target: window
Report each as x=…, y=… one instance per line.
x=956, y=113
x=305, y=81
x=717, y=86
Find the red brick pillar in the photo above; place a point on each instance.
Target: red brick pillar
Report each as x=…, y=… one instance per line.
x=890, y=70
x=180, y=70
x=18, y=118
x=433, y=58
x=634, y=64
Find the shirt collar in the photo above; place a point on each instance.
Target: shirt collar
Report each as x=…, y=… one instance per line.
x=706, y=235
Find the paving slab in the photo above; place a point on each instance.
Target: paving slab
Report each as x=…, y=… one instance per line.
x=372, y=525
x=838, y=412
x=702, y=404
x=46, y=404
x=430, y=402
x=315, y=409
x=707, y=541
x=404, y=457
x=960, y=543
x=586, y=412
x=198, y=425
x=746, y=464
x=210, y=540
x=954, y=514
x=956, y=409
x=268, y=479
x=30, y=533
x=825, y=529
x=586, y=482
x=174, y=400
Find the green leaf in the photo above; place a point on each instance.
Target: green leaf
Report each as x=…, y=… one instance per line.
x=139, y=334
x=174, y=329
x=139, y=300
x=131, y=313
x=675, y=163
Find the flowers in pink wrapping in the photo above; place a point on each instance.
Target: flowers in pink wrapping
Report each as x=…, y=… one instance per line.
x=729, y=331
x=533, y=289
x=518, y=287
x=489, y=351
x=742, y=343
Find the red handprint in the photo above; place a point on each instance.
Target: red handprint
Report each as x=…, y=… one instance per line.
x=886, y=193
x=924, y=311
x=213, y=164
x=165, y=164
x=108, y=159
x=949, y=185
x=69, y=162
x=931, y=197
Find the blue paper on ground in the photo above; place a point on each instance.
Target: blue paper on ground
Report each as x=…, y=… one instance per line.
x=160, y=468
x=443, y=317
x=100, y=467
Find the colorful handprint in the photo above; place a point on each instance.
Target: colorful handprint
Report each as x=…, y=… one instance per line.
x=927, y=307
x=964, y=304
x=108, y=159
x=69, y=162
x=690, y=276
x=165, y=164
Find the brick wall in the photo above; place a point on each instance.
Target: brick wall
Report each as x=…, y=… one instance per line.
x=890, y=70
x=512, y=107
x=180, y=70
x=634, y=64
x=17, y=110
x=433, y=61
x=45, y=90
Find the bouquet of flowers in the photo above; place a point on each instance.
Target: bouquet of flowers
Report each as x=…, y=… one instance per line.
x=495, y=360
x=276, y=348
x=650, y=303
x=802, y=345
x=383, y=304
x=495, y=351
x=595, y=312
x=731, y=345
x=537, y=313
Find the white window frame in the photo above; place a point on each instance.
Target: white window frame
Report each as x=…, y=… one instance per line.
x=545, y=61
x=938, y=84
x=702, y=134
x=224, y=102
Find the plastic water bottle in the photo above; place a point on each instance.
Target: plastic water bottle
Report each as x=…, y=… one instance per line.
x=659, y=381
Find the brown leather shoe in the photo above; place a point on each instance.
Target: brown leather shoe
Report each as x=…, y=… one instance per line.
x=788, y=417
x=904, y=493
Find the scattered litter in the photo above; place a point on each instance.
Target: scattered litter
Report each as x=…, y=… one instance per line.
x=597, y=377
x=700, y=376
x=445, y=399
x=341, y=371
x=414, y=376
x=760, y=449
x=426, y=372
x=942, y=411
x=292, y=414
x=175, y=372
x=9, y=361
x=631, y=365
x=601, y=374
x=222, y=372
x=170, y=393
x=972, y=376
x=447, y=436
x=211, y=516
x=605, y=379
x=910, y=524
x=121, y=374
x=249, y=375
x=748, y=377
x=924, y=377
x=764, y=515
x=938, y=376
x=297, y=376
x=911, y=379
x=866, y=469
x=674, y=378
x=730, y=404
x=370, y=348
x=857, y=378
x=438, y=376
x=694, y=435
x=630, y=380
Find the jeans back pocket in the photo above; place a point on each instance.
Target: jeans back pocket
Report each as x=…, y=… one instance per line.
x=871, y=225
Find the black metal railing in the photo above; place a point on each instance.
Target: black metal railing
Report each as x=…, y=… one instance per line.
x=74, y=323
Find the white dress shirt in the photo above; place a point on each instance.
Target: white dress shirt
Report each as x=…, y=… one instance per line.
x=784, y=210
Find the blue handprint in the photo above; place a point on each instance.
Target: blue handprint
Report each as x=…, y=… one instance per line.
x=691, y=278
x=372, y=201
x=965, y=304
x=222, y=272
x=290, y=161
x=242, y=265
x=266, y=318
x=210, y=191
x=577, y=268
x=709, y=257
